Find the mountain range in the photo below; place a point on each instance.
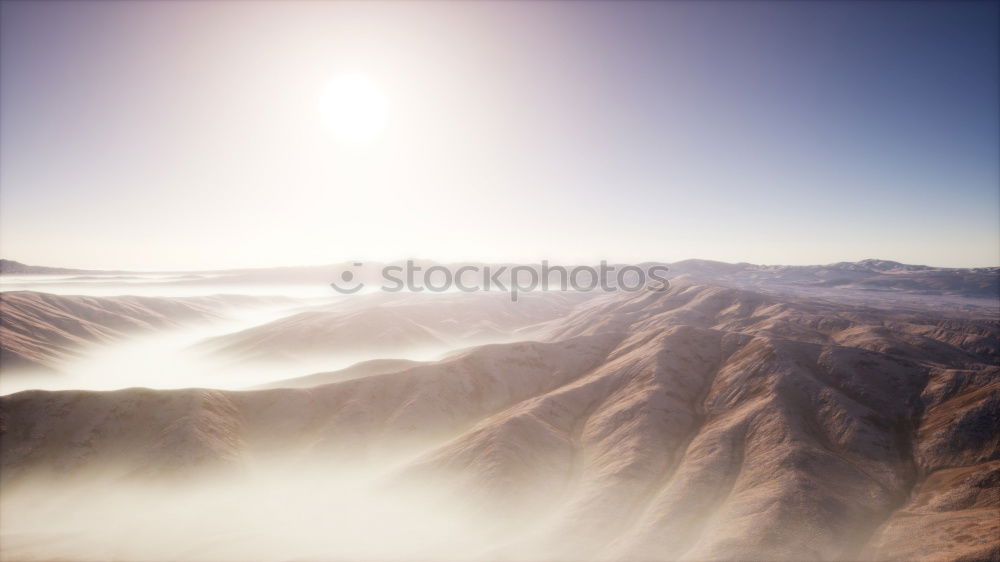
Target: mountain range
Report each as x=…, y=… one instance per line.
x=768, y=421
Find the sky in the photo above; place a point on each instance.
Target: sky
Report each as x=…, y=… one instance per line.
x=183, y=135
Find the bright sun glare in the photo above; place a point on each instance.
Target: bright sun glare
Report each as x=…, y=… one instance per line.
x=353, y=108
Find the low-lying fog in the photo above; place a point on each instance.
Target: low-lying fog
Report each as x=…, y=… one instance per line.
x=312, y=511
x=171, y=358
x=266, y=514
x=704, y=422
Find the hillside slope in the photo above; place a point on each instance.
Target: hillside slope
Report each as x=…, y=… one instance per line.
x=701, y=423
x=41, y=330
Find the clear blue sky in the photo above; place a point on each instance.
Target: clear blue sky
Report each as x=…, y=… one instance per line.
x=189, y=135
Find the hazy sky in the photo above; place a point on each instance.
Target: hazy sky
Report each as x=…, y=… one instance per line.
x=189, y=135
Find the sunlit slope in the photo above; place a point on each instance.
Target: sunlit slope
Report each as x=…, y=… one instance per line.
x=41, y=330
x=388, y=324
x=355, y=371
x=701, y=423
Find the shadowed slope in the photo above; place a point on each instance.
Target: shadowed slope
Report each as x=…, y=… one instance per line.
x=698, y=423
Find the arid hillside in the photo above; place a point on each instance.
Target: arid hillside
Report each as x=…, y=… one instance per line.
x=41, y=330
x=700, y=423
x=387, y=323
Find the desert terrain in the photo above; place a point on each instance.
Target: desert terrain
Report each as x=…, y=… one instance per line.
x=838, y=412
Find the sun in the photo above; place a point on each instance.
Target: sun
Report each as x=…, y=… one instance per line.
x=353, y=108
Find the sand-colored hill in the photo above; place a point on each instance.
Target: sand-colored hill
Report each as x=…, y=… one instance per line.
x=390, y=324
x=356, y=371
x=701, y=423
x=41, y=330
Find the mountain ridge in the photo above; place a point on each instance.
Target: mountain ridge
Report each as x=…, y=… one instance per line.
x=703, y=422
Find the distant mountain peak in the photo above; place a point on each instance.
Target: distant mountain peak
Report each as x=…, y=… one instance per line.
x=878, y=266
